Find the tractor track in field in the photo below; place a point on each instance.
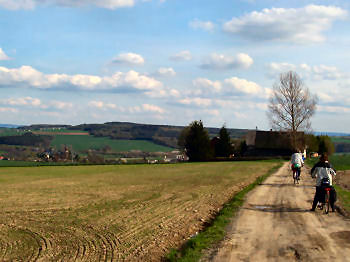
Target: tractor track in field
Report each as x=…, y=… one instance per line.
x=114, y=227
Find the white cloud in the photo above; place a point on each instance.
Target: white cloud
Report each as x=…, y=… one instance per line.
x=204, y=86
x=30, y=4
x=17, y=4
x=333, y=109
x=104, y=106
x=220, y=61
x=60, y=105
x=3, y=56
x=238, y=85
x=306, y=71
x=182, y=56
x=152, y=108
x=204, y=25
x=197, y=101
x=27, y=76
x=298, y=25
x=129, y=58
x=21, y=101
x=166, y=71
x=8, y=109
x=132, y=109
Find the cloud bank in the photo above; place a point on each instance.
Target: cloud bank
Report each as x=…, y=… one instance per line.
x=222, y=62
x=298, y=25
x=31, y=4
x=132, y=81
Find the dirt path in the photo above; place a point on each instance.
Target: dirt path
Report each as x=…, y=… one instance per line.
x=275, y=224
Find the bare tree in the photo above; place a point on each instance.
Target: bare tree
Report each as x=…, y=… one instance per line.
x=291, y=105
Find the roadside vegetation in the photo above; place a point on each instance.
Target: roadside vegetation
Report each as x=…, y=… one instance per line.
x=113, y=212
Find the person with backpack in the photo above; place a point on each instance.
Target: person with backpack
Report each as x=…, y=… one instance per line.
x=323, y=172
x=297, y=162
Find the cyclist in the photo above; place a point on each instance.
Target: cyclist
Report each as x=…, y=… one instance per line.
x=323, y=171
x=297, y=162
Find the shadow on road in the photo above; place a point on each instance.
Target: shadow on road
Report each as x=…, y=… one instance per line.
x=275, y=209
x=287, y=185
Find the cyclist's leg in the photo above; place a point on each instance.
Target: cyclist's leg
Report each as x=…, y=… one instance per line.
x=316, y=198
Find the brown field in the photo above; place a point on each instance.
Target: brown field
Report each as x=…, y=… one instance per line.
x=343, y=179
x=112, y=213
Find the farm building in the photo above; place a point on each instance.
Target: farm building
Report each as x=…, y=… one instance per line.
x=272, y=143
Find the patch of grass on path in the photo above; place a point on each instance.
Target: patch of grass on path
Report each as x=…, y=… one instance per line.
x=192, y=250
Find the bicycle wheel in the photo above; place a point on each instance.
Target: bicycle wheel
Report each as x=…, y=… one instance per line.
x=326, y=202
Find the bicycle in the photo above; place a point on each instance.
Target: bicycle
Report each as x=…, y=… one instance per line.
x=296, y=174
x=327, y=199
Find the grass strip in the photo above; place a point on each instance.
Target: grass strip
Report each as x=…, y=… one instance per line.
x=215, y=232
x=344, y=197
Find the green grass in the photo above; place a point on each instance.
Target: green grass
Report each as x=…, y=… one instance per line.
x=11, y=132
x=341, y=139
x=12, y=163
x=344, y=197
x=62, y=130
x=83, y=143
x=339, y=161
x=192, y=251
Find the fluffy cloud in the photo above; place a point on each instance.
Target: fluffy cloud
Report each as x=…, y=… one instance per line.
x=204, y=25
x=60, y=105
x=197, y=101
x=182, y=56
x=299, y=25
x=204, y=86
x=219, y=61
x=333, y=109
x=8, y=109
x=30, y=4
x=163, y=71
x=152, y=108
x=316, y=72
x=21, y=101
x=3, y=56
x=238, y=85
x=30, y=102
x=132, y=109
x=123, y=82
x=129, y=58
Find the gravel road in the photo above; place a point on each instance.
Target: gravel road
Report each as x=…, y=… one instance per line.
x=275, y=224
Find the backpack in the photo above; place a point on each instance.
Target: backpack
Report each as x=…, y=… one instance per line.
x=325, y=181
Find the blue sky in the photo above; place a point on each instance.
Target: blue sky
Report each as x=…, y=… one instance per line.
x=170, y=61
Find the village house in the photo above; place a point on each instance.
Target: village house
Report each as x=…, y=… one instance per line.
x=273, y=143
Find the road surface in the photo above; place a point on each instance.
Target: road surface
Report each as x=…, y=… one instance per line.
x=275, y=224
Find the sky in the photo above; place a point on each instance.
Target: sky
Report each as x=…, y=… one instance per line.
x=170, y=61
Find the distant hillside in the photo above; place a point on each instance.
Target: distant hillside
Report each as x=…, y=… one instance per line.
x=160, y=134
x=9, y=126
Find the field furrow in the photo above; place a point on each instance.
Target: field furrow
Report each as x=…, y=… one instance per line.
x=112, y=213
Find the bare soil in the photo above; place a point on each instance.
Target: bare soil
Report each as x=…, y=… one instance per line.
x=276, y=224
x=112, y=213
x=343, y=179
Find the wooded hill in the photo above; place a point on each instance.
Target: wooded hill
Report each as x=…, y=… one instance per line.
x=160, y=134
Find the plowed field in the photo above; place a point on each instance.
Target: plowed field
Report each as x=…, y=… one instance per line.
x=112, y=213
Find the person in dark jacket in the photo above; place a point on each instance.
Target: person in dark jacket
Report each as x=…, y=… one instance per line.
x=323, y=171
